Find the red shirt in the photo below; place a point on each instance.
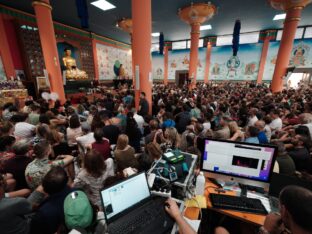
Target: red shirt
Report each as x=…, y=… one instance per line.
x=103, y=148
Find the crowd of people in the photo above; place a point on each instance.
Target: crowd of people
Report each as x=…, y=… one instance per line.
x=47, y=150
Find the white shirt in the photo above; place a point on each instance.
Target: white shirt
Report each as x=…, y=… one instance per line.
x=72, y=134
x=140, y=121
x=24, y=130
x=252, y=121
x=276, y=124
x=206, y=126
x=268, y=132
x=86, y=140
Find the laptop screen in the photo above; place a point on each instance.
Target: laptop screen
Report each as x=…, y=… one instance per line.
x=125, y=194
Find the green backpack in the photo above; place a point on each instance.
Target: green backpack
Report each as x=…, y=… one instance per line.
x=77, y=210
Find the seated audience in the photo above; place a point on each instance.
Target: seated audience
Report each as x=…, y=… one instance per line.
x=13, y=212
x=276, y=123
x=87, y=138
x=101, y=144
x=299, y=153
x=73, y=131
x=236, y=133
x=224, y=131
x=285, y=162
x=261, y=135
x=50, y=214
x=17, y=164
x=252, y=135
x=295, y=212
x=22, y=129
x=133, y=132
x=125, y=154
x=39, y=167
x=93, y=175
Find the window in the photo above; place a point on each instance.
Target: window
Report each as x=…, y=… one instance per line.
x=299, y=34
x=308, y=32
x=224, y=40
x=246, y=38
x=155, y=47
x=178, y=45
x=200, y=44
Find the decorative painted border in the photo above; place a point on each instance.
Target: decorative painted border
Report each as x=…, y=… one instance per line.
x=61, y=27
x=108, y=41
x=268, y=33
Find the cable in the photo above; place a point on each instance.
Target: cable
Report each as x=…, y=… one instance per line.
x=161, y=177
x=209, y=186
x=154, y=164
x=198, y=206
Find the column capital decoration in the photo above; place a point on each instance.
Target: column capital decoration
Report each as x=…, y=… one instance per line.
x=212, y=40
x=168, y=44
x=125, y=24
x=197, y=13
x=41, y=3
x=286, y=5
x=269, y=34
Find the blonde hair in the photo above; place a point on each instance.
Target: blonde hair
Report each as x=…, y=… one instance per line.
x=233, y=127
x=172, y=136
x=122, y=142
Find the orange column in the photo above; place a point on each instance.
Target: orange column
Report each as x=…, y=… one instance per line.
x=264, y=54
x=48, y=43
x=133, y=66
x=95, y=60
x=195, y=33
x=141, y=46
x=290, y=26
x=166, y=57
x=207, y=68
x=5, y=51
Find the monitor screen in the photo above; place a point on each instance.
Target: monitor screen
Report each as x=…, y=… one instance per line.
x=237, y=159
x=124, y=195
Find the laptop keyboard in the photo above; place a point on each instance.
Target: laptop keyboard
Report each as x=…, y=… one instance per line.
x=131, y=224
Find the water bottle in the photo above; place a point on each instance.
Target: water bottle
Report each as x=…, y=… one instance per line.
x=200, y=184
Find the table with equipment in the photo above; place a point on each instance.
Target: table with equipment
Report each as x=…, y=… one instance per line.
x=174, y=175
x=193, y=213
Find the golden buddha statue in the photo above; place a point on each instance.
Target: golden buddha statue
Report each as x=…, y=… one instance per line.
x=72, y=72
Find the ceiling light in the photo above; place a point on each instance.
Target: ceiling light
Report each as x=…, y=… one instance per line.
x=155, y=34
x=279, y=17
x=103, y=5
x=205, y=27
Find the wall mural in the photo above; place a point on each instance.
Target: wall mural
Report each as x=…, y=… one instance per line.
x=301, y=56
x=180, y=59
x=244, y=66
x=158, y=66
x=110, y=58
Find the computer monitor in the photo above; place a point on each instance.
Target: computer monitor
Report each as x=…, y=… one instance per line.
x=124, y=195
x=245, y=163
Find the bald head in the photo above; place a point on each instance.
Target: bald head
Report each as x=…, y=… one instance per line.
x=260, y=124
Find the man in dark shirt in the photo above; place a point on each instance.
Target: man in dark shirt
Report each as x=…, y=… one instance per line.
x=143, y=105
x=50, y=214
x=300, y=153
x=110, y=131
x=17, y=165
x=183, y=119
x=285, y=162
x=12, y=212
